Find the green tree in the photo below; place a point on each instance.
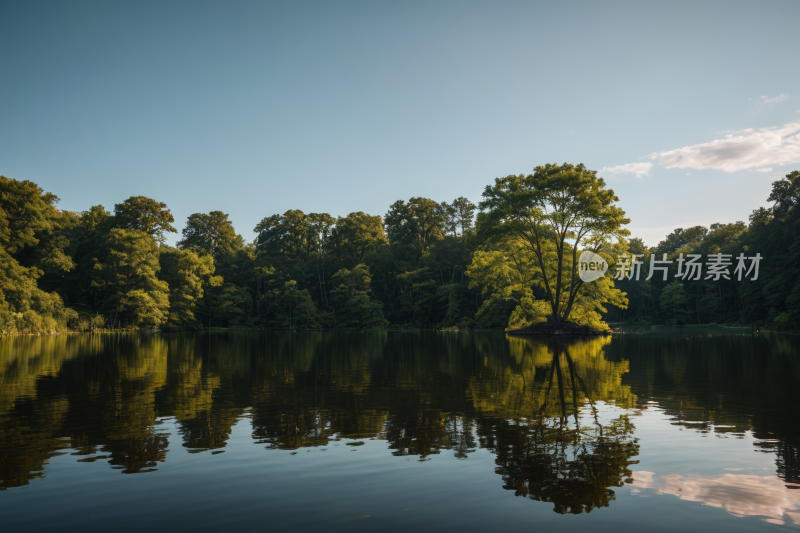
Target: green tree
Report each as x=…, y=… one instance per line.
x=25, y=209
x=212, y=233
x=225, y=303
x=321, y=226
x=350, y=297
x=356, y=235
x=87, y=240
x=127, y=275
x=419, y=298
x=678, y=239
x=508, y=272
x=32, y=242
x=785, y=193
x=721, y=236
x=420, y=222
x=184, y=271
x=674, y=302
x=145, y=214
x=291, y=234
x=293, y=308
x=24, y=307
x=773, y=300
x=459, y=216
x=555, y=213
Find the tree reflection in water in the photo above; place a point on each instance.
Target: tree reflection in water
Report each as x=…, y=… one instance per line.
x=545, y=459
x=420, y=393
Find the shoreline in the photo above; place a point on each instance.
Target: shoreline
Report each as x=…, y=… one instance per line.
x=531, y=331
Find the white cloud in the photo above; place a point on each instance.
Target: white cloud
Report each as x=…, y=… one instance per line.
x=742, y=150
x=640, y=169
x=767, y=169
x=741, y=495
x=775, y=99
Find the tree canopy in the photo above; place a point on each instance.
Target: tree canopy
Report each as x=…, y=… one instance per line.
x=555, y=212
x=212, y=233
x=145, y=214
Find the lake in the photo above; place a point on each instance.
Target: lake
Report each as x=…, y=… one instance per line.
x=694, y=429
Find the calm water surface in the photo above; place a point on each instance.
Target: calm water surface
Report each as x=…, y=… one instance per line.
x=657, y=431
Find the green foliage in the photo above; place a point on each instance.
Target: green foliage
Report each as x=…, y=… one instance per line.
x=144, y=308
x=24, y=307
x=293, y=234
x=30, y=227
x=356, y=235
x=87, y=239
x=771, y=301
x=212, y=233
x=127, y=277
x=420, y=222
x=185, y=272
x=144, y=214
x=225, y=303
x=25, y=210
x=508, y=272
x=554, y=214
x=425, y=264
x=786, y=194
x=350, y=297
x=675, y=240
x=459, y=216
x=453, y=299
x=292, y=308
x=495, y=312
x=674, y=302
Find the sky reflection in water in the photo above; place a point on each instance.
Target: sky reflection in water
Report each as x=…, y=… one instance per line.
x=611, y=430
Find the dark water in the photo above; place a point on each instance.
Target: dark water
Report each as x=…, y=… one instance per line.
x=399, y=431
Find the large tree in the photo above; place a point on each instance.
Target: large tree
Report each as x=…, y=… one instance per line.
x=355, y=235
x=785, y=193
x=25, y=210
x=293, y=234
x=127, y=277
x=145, y=214
x=459, y=216
x=556, y=212
x=350, y=296
x=32, y=243
x=185, y=272
x=420, y=222
x=212, y=233
x=680, y=238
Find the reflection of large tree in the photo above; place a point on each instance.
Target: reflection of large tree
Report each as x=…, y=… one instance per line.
x=518, y=385
x=189, y=396
x=422, y=393
x=69, y=395
x=546, y=456
x=32, y=409
x=574, y=469
x=28, y=440
x=128, y=405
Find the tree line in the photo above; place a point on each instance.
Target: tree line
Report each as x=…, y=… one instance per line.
x=772, y=300
x=510, y=261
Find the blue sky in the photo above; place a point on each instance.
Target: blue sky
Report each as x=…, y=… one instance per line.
x=690, y=110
